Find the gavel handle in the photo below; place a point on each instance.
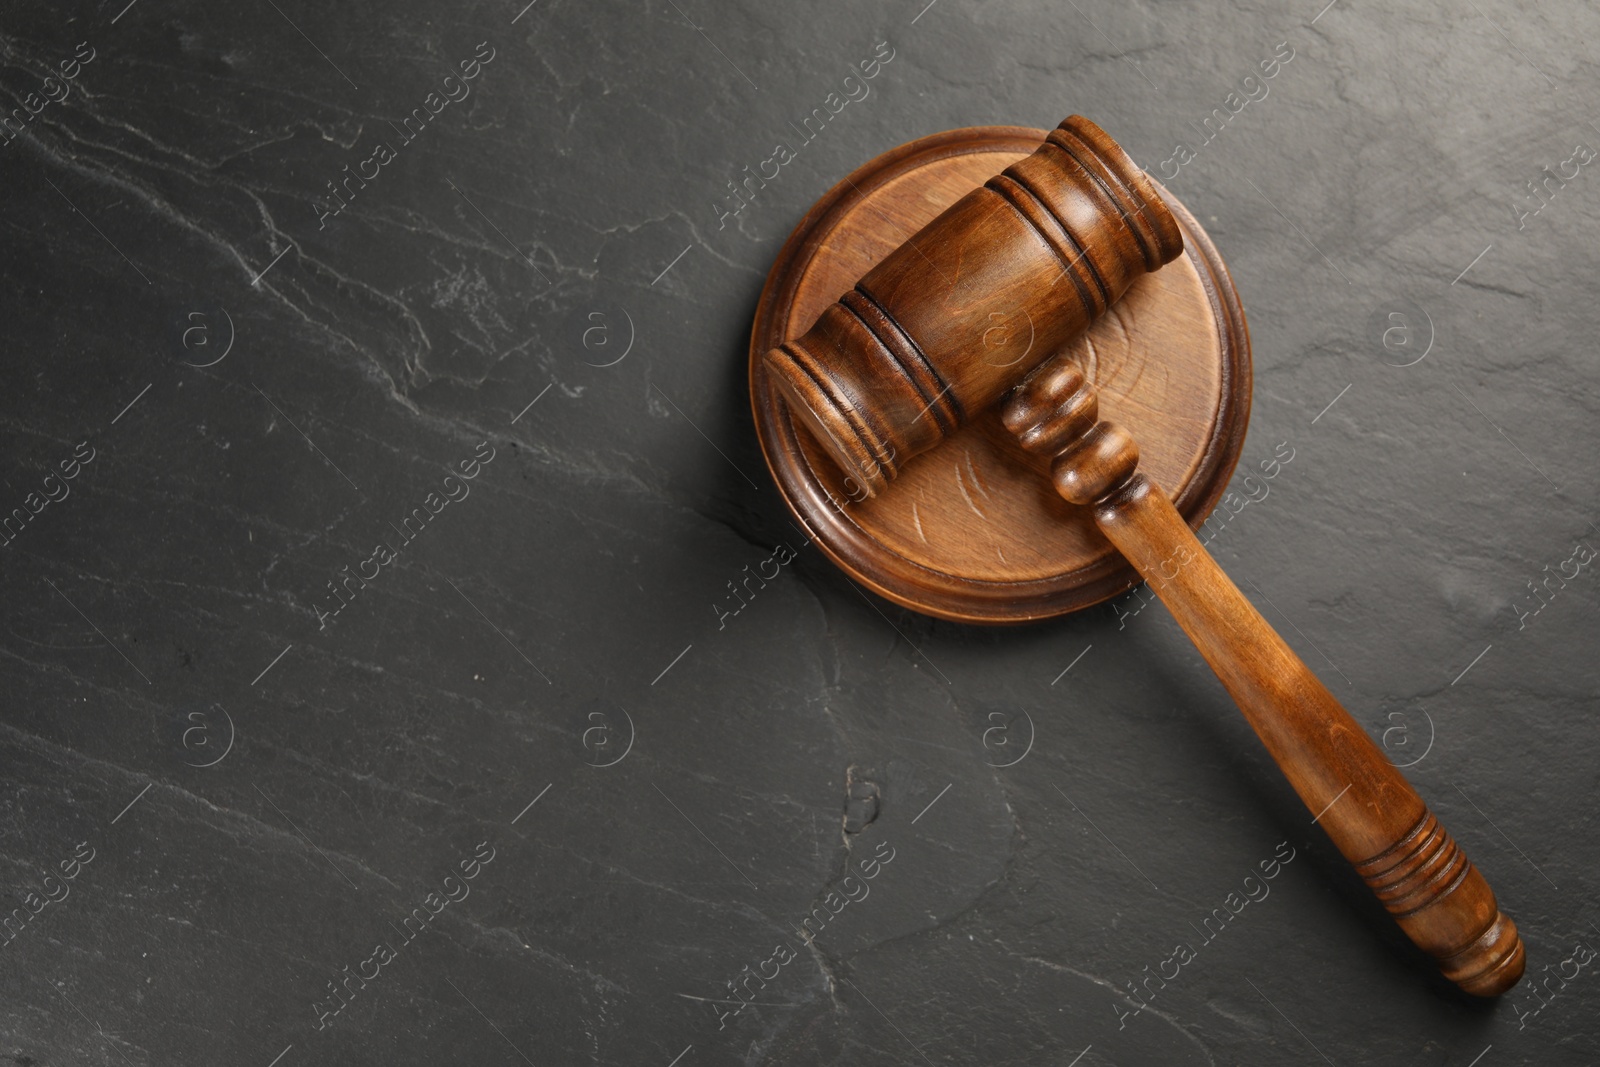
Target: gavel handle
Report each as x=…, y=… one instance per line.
x=1364, y=804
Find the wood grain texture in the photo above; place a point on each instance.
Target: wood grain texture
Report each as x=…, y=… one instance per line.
x=1364, y=804
x=969, y=530
x=922, y=341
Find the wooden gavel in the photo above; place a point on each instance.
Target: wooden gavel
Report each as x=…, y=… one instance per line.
x=899, y=363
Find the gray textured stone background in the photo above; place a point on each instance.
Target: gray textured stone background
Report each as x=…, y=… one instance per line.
x=165, y=614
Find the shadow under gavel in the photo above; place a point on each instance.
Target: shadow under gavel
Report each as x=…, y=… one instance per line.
x=899, y=363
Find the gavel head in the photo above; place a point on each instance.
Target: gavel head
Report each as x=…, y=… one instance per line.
x=965, y=308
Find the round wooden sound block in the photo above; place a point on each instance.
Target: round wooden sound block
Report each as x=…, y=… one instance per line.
x=973, y=530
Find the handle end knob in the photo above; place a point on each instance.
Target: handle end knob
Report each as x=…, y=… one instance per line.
x=1446, y=907
x=1490, y=965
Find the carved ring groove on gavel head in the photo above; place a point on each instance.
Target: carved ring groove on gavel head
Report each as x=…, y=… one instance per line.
x=901, y=361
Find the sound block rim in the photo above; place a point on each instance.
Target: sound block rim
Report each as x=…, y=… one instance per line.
x=906, y=582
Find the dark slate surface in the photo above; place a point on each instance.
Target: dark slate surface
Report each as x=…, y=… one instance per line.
x=265, y=790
